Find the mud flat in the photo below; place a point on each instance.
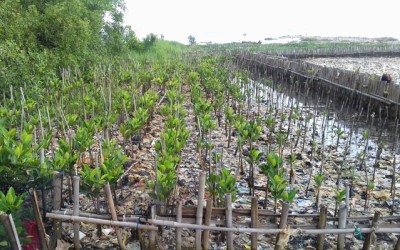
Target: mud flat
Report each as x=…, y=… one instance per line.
x=369, y=65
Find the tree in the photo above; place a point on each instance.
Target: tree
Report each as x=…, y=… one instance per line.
x=40, y=37
x=192, y=40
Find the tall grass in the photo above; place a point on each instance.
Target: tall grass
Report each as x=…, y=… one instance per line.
x=162, y=51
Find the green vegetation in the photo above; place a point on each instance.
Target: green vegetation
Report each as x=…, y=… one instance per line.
x=38, y=38
x=305, y=45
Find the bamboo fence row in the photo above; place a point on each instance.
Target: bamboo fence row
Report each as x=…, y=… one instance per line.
x=349, y=83
x=204, y=219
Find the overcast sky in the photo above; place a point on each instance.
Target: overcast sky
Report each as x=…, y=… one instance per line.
x=226, y=21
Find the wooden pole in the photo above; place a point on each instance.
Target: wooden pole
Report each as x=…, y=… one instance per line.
x=76, y=212
x=347, y=199
x=397, y=246
x=199, y=214
x=229, y=224
x=207, y=221
x=153, y=233
x=9, y=227
x=57, y=196
x=178, y=231
x=254, y=222
x=321, y=225
x=342, y=224
x=38, y=217
x=114, y=217
x=282, y=225
x=370, y=236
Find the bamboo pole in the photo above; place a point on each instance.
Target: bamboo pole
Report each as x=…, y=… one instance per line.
x=57, y=196
x=254, y=222
x=342, y=224
x=199, y=213
x=207, y=221
x=178, y=231
x=322, y=225
x=215, y=228
x=38, y=217
x=397, y=246
x=76, y=212
x=153, y=233
x=9, y=227
x=73, y=218
x=228, y=220
x=282, y=225
x=370, y=236
x=114, y=217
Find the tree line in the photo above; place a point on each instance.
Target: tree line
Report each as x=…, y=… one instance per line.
x=38, y=38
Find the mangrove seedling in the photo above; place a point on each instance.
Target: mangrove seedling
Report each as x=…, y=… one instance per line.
x=270, y=169
x=319, y=179
x=254, y=158
x=339, y=197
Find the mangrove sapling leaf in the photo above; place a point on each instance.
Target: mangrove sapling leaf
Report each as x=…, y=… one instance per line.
x=92, y=180
x=254, y=158
x=221, y=184
x=270, y=169
x=339, y=197
x=211, y=181
x=339, y=133
x=11, y=202
x=229, y=119
x=319, y=179
x=113, y=160
x=166, y=184
x=289, y=195
x=277, y=185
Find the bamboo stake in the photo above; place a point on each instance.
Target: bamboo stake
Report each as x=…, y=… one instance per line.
x=110, y=200
x=42, y=232
x=178, y=231
x=153, y=233
x=57, y=182
x=322, y=225
x=207, y=221
x=199, y=214
x=342, y=224
x=76, y=211
x=282, y=224
x=370, y=236
x=9, y=227
x=228, y=218
x=254, y=222
x=397, y=246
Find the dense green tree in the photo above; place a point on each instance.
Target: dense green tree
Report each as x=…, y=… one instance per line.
x=40, y=37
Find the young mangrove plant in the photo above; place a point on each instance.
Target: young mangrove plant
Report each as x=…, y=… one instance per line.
x=270, y=169
x=253, y=159
x=222, y=183
x=319, y=179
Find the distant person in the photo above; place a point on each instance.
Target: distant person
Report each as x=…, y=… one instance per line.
x=384, y=77
x=387, y=78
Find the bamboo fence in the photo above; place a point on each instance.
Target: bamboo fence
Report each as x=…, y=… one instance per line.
x=362, y=88
x=225, y=219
